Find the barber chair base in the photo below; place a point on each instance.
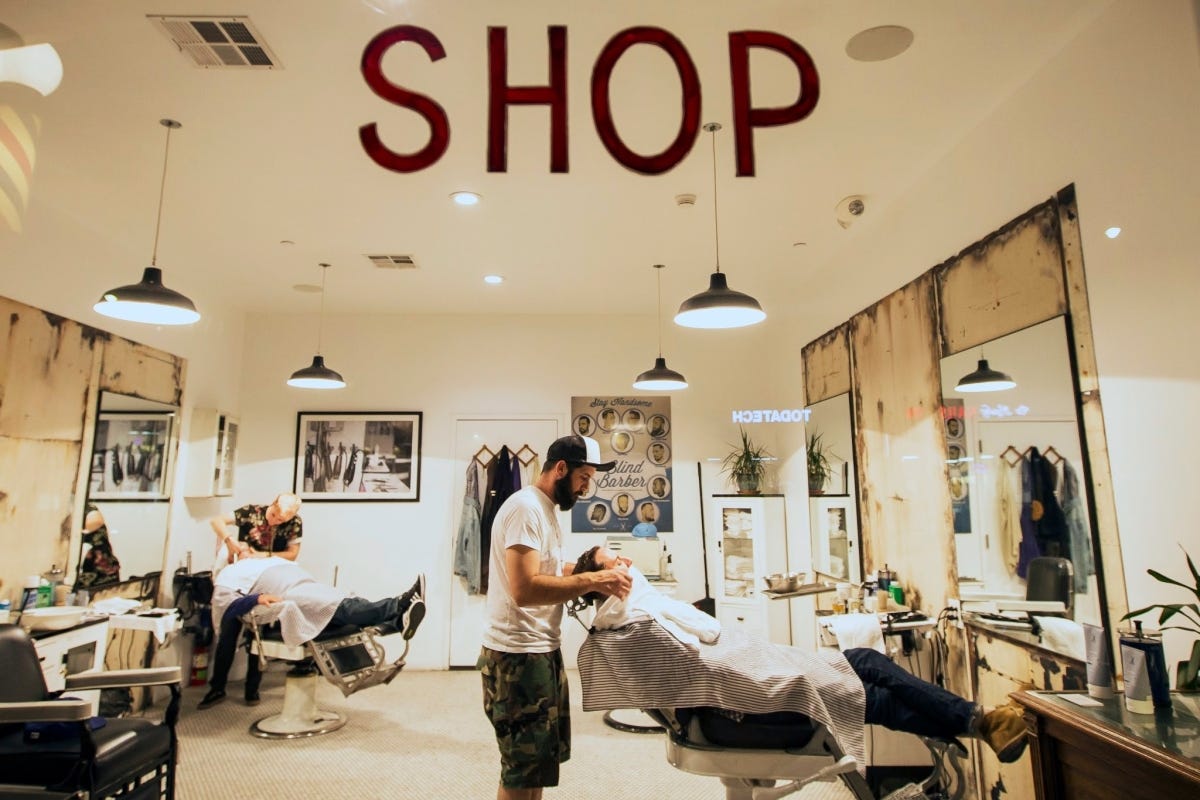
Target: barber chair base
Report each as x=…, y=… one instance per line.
x=300, y=717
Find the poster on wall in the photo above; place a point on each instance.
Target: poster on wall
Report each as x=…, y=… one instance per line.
x=958, y=464
x=636, y=433
x=357, y=455
x=129, y=457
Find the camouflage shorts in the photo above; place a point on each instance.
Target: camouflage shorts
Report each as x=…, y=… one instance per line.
x=525, y=696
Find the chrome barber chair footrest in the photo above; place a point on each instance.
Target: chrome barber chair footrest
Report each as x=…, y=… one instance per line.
x=300, y=716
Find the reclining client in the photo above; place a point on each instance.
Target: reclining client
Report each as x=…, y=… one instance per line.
x=303, y=607
x=652, y=651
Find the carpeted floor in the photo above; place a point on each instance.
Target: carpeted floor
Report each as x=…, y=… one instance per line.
x=422, y=736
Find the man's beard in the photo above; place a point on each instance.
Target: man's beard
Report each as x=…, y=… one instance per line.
x=563, y=495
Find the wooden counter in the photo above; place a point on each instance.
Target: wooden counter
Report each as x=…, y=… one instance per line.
x=1107, y=752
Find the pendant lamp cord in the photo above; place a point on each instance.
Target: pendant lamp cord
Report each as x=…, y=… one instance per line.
x=321, y=318
x=162, y=188
x=658, y=270
x=713, y=128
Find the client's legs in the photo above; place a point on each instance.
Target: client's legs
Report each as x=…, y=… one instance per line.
x=407, y=610
x=901, y=701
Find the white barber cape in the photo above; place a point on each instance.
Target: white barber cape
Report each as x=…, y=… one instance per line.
x=307, y=608
x=682, y=620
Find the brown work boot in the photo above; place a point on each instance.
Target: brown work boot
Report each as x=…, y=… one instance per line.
x=1003, y=729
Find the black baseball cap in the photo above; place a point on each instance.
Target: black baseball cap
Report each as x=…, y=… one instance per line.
x=577, y=449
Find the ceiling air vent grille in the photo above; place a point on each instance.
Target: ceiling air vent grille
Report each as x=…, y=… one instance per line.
x=218, y=42
x=393, y=262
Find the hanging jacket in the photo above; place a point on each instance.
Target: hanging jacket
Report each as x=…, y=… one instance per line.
x=1008, y=514
x=1082, y=560
x=468, y=554
x=1051, y=524
x=499, y=489
x=1029, y=544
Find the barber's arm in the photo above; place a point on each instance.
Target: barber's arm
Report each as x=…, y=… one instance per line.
x=293, y=550
x=220, y=526
x=530, y=588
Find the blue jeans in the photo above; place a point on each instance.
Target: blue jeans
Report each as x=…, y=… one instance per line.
x=901, y=701
x=360, y=612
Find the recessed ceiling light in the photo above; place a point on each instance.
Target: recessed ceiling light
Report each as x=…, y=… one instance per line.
x=879, y=43
x=1113, y=232
x=493, y=279
x=465, y=198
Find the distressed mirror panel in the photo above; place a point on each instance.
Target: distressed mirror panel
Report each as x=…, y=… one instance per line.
x=833, y=507
x=1015, y=471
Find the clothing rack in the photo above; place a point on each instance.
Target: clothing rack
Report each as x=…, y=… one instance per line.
x=525, y=454
x=1049, y=453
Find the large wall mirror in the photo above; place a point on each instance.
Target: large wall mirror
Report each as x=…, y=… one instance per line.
x=128, y=481
x=1015, y=467
x=833, y=505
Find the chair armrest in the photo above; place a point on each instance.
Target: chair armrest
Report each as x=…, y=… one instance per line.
x=66, y=710
x=124, y=678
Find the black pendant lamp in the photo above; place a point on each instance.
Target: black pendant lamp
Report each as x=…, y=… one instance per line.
x=985, y=379
x=148, y=300
x=317, y=375
x=718, y=306
x=660, y=377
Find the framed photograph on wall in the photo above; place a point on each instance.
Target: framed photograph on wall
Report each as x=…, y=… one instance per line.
x=363, y=456
x=129, y=456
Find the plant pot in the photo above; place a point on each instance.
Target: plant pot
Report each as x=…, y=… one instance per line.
x=1187, y=673
x=746, y=484
x=816, y=485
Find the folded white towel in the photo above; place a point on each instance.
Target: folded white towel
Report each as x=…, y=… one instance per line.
x=1063, y=636
x=857, y=630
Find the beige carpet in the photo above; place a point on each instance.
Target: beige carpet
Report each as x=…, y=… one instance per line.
x=422, y=736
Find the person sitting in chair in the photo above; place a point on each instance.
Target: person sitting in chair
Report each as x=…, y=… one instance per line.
x=887, y=694
x=303, y=607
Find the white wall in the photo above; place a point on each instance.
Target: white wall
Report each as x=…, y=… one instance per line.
x=1118, y=114
x=448, y=366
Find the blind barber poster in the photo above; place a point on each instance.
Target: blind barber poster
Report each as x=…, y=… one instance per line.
x=636, y=433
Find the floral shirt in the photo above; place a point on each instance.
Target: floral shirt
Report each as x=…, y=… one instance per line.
x=254, y=529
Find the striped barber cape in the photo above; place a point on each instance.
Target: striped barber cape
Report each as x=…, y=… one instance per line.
x=643, y=666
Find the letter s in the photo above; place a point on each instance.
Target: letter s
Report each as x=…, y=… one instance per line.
x=434, y=114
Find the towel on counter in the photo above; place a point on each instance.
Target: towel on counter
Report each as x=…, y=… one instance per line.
x=857, y=630
x=1063, y=636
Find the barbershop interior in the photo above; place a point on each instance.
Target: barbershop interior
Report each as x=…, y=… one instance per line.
x=881, y=310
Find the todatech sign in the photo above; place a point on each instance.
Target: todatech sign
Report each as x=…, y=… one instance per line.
x=501, y=95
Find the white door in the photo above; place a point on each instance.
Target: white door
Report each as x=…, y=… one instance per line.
x=467, y=611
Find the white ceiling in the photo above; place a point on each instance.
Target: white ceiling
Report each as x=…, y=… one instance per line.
x=267, y=156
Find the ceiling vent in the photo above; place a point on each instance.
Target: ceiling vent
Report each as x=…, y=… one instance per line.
x=218, y=42
x=393, y=262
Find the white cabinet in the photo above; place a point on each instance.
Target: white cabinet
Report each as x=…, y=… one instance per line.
x=212, y=454
x=78, y=649
x=748, y=535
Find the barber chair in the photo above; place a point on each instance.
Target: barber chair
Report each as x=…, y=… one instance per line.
x=752, y=755
x=1051, y=578
x=349, y=657
x=51, y=746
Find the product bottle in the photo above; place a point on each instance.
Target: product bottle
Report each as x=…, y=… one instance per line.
x=663, y=560
x=29, y=594
x=669, y=572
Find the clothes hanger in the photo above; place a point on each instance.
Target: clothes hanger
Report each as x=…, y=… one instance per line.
x=1052, y=455
x=1010, y=449
x=526, y=459
x=485, y=461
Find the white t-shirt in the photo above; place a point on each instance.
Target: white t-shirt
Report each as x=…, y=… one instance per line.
x=529, y=518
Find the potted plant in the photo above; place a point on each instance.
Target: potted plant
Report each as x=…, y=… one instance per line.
x=1187, y=618
x=747, y=464
x=819, y=468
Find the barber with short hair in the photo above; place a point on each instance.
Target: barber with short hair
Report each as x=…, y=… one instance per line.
x=524, y=685
x=273, y=529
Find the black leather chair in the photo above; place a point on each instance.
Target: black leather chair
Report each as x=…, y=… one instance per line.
x=48, y=747
x=1051, y=578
